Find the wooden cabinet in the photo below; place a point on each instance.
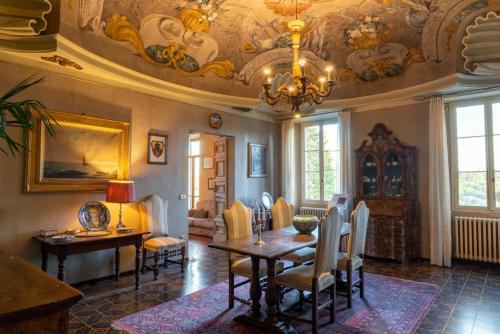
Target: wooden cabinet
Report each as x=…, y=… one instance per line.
x=385, y=177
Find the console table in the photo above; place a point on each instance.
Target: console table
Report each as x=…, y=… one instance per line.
x=62, y=249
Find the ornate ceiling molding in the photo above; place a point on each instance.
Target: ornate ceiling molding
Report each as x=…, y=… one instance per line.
x=482, y=45
x=23, y=18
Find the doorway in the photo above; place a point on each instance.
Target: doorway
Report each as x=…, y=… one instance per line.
x=210, y=175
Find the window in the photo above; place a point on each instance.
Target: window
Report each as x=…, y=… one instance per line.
x=194, y=172
x=475, y=129
x=320, y=161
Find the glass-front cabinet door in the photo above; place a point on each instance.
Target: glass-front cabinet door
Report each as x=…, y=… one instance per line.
x=370, y=176
x=393, y=180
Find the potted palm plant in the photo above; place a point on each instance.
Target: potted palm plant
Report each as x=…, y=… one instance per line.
x=21, y=114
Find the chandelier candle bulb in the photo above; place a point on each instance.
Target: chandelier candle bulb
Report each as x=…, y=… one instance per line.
x=322, y=83
x=329, y=70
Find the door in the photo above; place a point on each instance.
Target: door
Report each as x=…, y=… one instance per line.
x=220, y=187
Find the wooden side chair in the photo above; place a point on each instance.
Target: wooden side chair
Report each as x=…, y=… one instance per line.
x=238, y=222
x=321, y=276
x=282, y=214
x=154, y=218
x=353, y=259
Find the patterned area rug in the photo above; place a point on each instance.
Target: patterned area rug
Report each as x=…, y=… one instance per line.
x=391, y=305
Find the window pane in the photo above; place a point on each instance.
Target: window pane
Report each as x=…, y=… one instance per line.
x=311, y=138
x=471, y=154
x=470, y=121
x=496, y=152
x=194, y=147
x=330, y=160
x=497, y=189
x=312, y=161
x=196, y=181
x=472, y=189
x=496, y=118
x=312, y=186
x=330, y=186
x=330, y=137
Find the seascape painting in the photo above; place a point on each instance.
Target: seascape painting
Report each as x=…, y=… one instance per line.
x=81, y=153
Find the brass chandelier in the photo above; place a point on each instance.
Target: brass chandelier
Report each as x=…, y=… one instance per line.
x=302, y=92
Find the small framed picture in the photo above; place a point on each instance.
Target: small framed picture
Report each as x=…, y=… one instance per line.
x=211, y=183
x=257, y=160
x=208, y=162
x=157, y=149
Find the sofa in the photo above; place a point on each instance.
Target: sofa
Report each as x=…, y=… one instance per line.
x=200, y=219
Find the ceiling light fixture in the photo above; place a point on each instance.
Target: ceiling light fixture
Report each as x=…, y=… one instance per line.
x=302, y=93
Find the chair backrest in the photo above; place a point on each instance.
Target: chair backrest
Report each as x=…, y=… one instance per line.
x=153, y=211
x=238, y=220
x=359, y=224
x=282, y=213
x=327, y=248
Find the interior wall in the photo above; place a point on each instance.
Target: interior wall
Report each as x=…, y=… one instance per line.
x=23, y=215
x=206, y=150
x=410, y=124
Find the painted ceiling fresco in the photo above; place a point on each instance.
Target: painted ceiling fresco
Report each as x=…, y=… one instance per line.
x=223, y=45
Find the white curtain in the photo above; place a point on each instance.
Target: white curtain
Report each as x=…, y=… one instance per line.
x=346, y=154
x=439, y=186
x=288, y=157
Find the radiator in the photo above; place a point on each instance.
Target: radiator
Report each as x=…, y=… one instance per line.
x=318, y=212
x=477, y=239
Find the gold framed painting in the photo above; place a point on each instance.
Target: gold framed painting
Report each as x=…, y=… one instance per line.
x=84, y=153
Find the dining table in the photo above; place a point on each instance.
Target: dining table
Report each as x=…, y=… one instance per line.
x=277, y=243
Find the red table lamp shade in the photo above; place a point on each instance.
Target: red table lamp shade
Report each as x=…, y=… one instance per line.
x=120, y=192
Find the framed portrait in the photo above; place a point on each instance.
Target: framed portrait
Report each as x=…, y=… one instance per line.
x=157, y=149
x=208, y=162
x=211, y=183
x=257, y=160
x=84, y=153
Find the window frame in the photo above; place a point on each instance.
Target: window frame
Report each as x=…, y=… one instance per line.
x=491, y=183
x=303, y=126
x=191, y=186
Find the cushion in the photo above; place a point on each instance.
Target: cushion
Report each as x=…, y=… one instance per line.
x=163, y=243
x=243, y=267
x=342, y=262
x=202, y=222
x=301, y=255
x=200, y=213
x=191, y=212
x=301, y=278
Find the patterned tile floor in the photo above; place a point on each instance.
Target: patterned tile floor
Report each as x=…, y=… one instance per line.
x=469, y=299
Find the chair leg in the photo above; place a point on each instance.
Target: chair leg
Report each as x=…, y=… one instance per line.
x=157, y=259
x=333, y=307
x=144, y=259
x=301, y=299
x=165, y=259
x=349, y=284
x=361, y=282
x=183, y=254
x=315, y=313
x=231, y=290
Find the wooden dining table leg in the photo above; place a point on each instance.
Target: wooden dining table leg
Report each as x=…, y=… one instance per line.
x=255, y=292
x=272, y=296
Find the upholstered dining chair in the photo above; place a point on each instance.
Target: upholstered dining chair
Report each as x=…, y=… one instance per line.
x=353, y=259
x=154, y=219
x=238, y=223
x=321, y=276
x=282, y=214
